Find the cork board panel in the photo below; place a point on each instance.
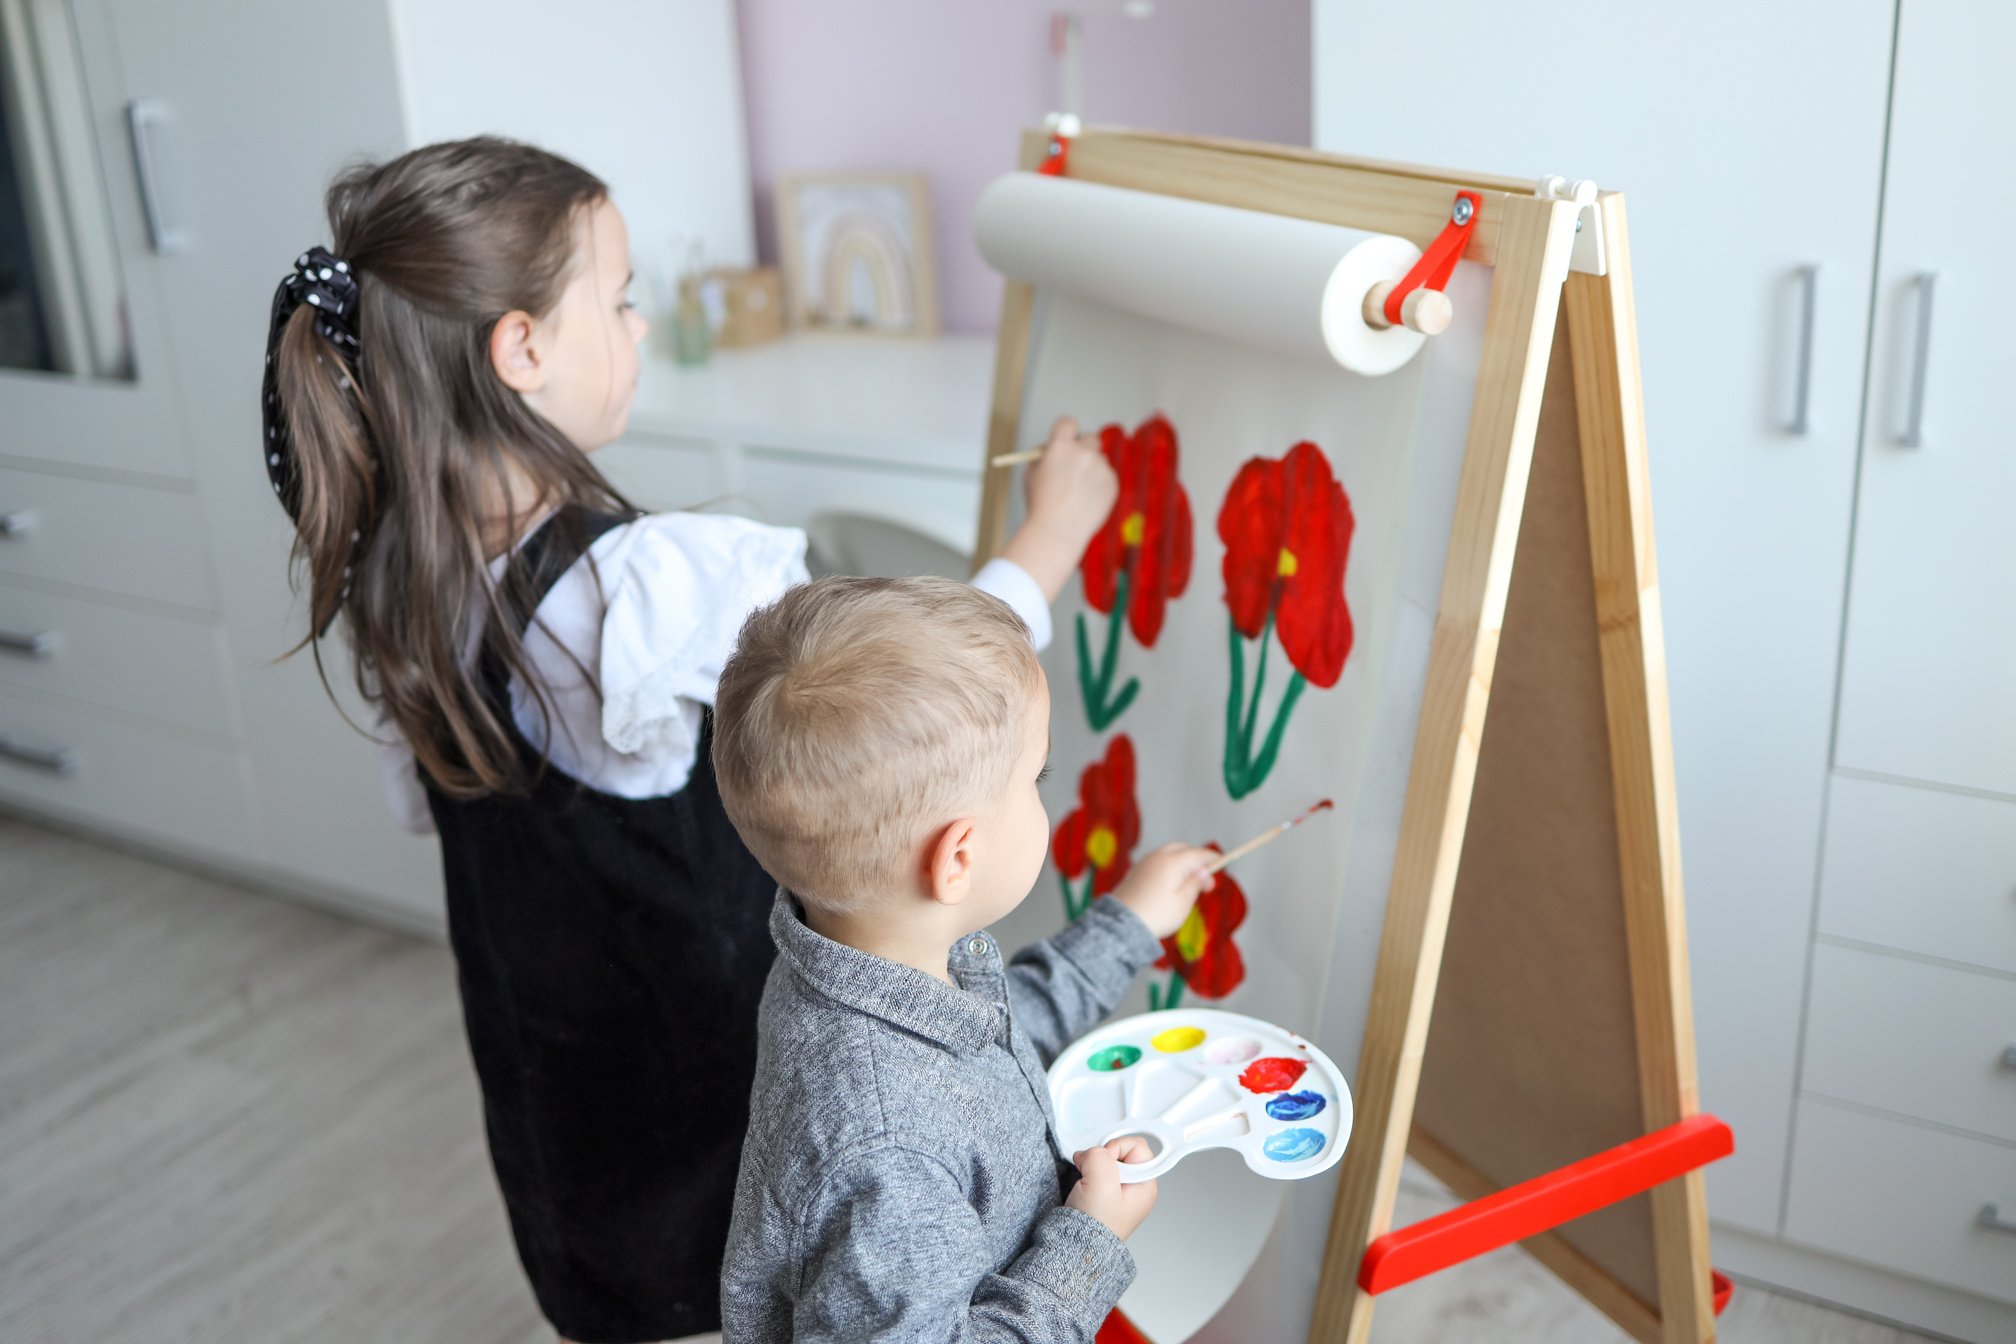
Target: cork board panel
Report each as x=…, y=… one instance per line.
x=1532, y=1056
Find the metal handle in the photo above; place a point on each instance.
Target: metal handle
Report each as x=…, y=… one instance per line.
x=42, y=643
x=1802, y=398
x=2009, y=1056
x=140, y=115
x=55, y=760
x=1992, y=1219
x=1914, y=428
x=16, y=523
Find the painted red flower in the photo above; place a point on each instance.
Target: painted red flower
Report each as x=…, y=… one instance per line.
x=1287, y=526
x=1147, y=537
x=1202, y=951
x=1102, y=832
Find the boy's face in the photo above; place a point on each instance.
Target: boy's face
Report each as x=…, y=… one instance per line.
x=1016, y=829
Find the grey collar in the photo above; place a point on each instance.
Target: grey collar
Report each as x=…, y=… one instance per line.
x=957, y=1019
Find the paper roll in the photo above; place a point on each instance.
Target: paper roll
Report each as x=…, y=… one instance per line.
x=1281, y=284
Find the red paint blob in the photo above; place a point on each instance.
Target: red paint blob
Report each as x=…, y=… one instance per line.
x=1323, y=806
x=1274, y=1073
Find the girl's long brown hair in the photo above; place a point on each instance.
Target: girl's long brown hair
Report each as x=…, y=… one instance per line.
x=407, y=451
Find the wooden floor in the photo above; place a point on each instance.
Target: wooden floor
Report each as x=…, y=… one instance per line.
x=227, y=1118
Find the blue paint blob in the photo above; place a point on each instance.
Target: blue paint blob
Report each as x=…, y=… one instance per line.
x=1296, y=1105
x=1293, y=1145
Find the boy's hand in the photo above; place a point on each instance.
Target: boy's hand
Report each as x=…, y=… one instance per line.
x=1100, y=1193
x=1071, y=491
x=1162, y=887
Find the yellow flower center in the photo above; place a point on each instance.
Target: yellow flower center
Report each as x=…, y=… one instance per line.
x=1102, y=846
x=1193, y=936
x=1285, y=566
x=1132, y=528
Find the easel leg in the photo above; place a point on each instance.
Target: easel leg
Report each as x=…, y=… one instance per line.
x=1011, y=371
x=1525, y=298
x=1602, y=331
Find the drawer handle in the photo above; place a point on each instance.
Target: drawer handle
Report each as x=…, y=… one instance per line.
x=16, y=523
x=42, y=644
x=55, y=760
x=1992, y=1219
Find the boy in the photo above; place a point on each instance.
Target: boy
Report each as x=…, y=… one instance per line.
x=878, y=744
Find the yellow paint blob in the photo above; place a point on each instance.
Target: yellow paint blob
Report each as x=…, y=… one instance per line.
x=1132, y=528
x=1286, y=566
x=1102, y=846
x=1178, y=1039
x=1192, y=938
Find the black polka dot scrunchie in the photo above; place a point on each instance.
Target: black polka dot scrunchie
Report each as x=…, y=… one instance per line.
x=325, y=283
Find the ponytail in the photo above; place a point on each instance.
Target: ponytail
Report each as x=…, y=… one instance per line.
x=391, y=441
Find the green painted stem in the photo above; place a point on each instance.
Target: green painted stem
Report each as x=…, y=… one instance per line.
x=1102, y=707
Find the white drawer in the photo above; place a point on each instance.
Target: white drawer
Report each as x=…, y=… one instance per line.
x=121, y=538
x=158, y=666
x=1902, y=1196
x=790, y=490
x=1922, y=870
x=157, y=784
x=1921, y=1040
x=663, y=474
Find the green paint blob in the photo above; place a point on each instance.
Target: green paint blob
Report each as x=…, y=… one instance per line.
x=1114, y=1058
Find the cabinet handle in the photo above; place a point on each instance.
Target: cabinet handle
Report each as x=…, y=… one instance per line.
x=140, y=115
x=17, y=523
x=1992, y=1219
x=42, y=644
x=1914, y=428
x=2009, y=1056
x=1802, y=397
x=55, y=760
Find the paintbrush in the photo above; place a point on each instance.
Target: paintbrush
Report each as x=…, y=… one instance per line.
x=1271, y=834
x=1015, y=459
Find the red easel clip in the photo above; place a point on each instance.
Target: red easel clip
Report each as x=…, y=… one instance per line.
x=1058, y=155
x=1438, y=263
x=1062, y=126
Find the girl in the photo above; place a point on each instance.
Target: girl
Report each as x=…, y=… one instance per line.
x=545, y=658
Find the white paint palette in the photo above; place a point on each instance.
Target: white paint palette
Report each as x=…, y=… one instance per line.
x=1187, y=1079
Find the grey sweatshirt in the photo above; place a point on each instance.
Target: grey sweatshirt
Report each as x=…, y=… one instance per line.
x=902, y=1178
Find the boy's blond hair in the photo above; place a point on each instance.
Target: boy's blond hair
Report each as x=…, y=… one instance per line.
x=856, y=714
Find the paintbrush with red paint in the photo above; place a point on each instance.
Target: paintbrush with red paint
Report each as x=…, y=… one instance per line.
x=1271, y=834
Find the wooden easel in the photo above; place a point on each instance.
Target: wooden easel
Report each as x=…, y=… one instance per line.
x=1539, y=858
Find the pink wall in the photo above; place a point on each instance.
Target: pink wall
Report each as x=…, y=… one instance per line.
x=942, y=86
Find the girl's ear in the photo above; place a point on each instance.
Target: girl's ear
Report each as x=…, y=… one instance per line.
x=952, y=861
x=516, y=352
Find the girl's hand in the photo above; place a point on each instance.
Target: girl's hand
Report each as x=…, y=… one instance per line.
x=1071, y=491
x=1100, y=1193
x=1162, y=887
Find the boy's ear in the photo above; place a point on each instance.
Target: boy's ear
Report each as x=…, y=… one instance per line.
x=516, y=352
x=952, y=859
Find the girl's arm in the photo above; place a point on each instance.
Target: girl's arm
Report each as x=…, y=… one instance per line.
x=1071, y=490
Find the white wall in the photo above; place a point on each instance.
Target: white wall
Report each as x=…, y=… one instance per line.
x=647, y=96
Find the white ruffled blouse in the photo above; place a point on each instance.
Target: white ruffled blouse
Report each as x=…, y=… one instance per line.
x=674, y=590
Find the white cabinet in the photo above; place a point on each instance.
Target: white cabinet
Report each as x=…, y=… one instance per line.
x=1695, y=125
x=1928, y=688
x=1907, y=1127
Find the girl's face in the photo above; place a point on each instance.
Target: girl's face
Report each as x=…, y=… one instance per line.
x=588, y=343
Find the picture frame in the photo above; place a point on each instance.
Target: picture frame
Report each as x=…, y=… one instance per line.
x=857, y=253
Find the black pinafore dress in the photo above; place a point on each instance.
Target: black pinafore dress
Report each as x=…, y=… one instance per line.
x=611, y=954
